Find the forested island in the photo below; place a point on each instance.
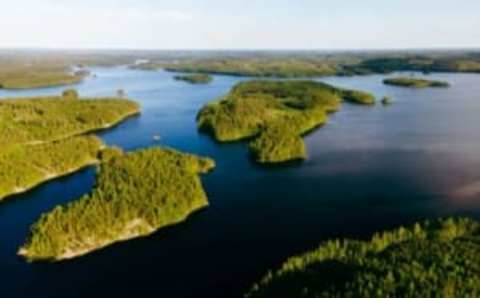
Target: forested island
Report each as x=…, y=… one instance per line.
x=415, y=83
x=434, y=62
x=39, y=137
x=253, y=67
x=195, y=78
x=435, y=259
x=275, y=114
x=136, y=194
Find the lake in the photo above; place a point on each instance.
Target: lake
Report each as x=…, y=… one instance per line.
x=369, y=169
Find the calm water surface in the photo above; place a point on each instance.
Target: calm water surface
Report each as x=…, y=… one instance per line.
x=369, y=169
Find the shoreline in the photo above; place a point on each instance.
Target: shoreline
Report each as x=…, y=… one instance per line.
x=43, y=86
x=48, y=178
x=130, y=233
x=87, y=131
x=22, y=189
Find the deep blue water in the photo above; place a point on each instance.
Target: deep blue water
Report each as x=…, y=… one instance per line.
x=369, y=169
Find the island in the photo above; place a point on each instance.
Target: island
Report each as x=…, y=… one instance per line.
x=437, y=258
x=249, y=66
x=426, y=63
x=386, y=101
x=195, y=78
x=41, y=138
x=274, y=115
x=136, y=194
x=415, y=83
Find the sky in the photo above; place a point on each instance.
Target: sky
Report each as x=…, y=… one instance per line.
x=224, y=24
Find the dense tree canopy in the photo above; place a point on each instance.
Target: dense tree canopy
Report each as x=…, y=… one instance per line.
x=21, y=76
x=255, y=67
x=37, y=137
x=275, y=114
x=435, y=259
x=425, y=63
x=44, y=119
x=136, y=194
x=25, y=166
x=195, y=78
x=414, y=82
x=307, y=65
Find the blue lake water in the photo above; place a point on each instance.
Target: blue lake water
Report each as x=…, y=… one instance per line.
x=369, y=169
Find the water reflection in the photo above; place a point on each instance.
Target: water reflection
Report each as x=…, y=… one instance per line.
x=369, y=168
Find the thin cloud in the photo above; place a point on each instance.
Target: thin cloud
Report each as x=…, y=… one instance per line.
x=144, y=14
x=175, y=15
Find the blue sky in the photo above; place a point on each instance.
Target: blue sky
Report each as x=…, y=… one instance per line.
x=215, y=24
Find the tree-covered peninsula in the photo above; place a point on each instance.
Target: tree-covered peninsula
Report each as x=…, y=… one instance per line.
x=435, y=259
x=136, y=194
x=415, y=83
x=195, y=78
x=37, y=120
x=38, y=137
x=20, y=76
x=23, y=167
x=275, y=114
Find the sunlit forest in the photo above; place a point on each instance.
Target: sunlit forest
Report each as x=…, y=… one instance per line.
x=275, y=114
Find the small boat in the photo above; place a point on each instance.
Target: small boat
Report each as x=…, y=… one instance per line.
x=157, y=138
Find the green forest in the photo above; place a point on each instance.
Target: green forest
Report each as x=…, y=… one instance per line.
x=37, y=136
x=275, y=115
x=37, y=76
x=195, y=78
x=416, y=62
x=254, y=67
x=306, y=65
x=433, y=259
x=25, y=69
x=136, y=193
x=22, y=167
x=414, y=82
x=33, y=120
x=22, y=69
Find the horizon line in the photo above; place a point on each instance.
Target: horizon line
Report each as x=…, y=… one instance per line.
x=237, y=49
